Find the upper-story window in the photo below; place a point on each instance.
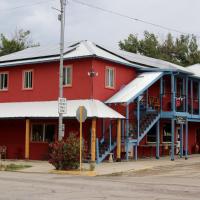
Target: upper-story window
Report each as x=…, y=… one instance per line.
x=110, y=77
x=3, y=81
x=28, y=79
x=67, y=76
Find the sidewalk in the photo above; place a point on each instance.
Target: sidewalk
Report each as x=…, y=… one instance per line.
x=107, y=168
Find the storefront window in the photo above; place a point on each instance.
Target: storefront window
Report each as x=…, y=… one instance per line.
x=151, y=136
x=42, y=132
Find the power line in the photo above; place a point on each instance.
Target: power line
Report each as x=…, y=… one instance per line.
x=132, y=18
x=25, y=5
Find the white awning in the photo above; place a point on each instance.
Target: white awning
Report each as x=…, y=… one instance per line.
x=49, y=109
x=135, y=88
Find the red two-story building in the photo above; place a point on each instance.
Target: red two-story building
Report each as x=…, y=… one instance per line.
x=136, y=105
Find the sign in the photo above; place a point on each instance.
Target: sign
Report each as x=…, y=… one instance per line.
x=81, y=111
x=180, y=120
x=62, y=105
x=81, y=116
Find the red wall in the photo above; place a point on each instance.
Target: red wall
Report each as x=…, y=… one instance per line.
x=12, y=135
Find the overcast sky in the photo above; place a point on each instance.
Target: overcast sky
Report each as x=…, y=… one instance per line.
x=83, y=22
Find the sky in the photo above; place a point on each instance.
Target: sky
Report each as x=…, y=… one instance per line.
x=83, y=22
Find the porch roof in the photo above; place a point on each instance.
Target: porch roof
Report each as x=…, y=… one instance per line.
x=49, y=109
x=135, y=88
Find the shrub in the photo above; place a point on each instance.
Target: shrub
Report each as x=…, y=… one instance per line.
x=65, y=154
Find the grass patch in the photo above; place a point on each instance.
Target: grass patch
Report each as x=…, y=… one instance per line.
x=13, y=167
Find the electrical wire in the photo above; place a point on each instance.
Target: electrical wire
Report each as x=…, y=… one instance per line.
x=132, y=18
x=25, y=5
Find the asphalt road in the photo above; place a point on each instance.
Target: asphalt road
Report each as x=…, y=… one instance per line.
x=179, y=182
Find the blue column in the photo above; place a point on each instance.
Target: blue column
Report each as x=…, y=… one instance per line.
x=136, y=152
x=127, y=130
x=161, y=93
x=123, y=130
x=147, y=100
x=158, y=140
x=110, y=134
x=175, y=92
x=138, y=118
x=186, y=93
x=186, y=140
x=172, y=138
x=191, y=95
x=181, y=140
x=172, y=94
x=199, y=95
x=97, y=149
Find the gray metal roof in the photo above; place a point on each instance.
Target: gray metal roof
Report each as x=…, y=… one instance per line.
x=135, y=88
x=195, y=69
x=51, y=53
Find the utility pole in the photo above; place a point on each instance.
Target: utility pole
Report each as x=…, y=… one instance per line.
x=61, y=18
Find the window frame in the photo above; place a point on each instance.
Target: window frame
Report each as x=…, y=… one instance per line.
x=7, y=73
x=44, y=125
x=23, y=79
x=70, y=67
x=114, y=77
x=166, y=142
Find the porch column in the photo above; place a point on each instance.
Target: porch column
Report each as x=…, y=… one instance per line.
x=186, y=140
x=127, y=130
x=186, y=94
x=27, y=139
x=199, y=95
x=93, y=144
x=172, y=138
x=191, y=95
x=119, y=140
x=161, y=93
x=181, y=140
x=172, y=93
x=138, y=118
x=136, y=152
x=158, y=140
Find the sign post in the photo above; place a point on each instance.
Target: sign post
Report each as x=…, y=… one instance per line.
x=62, y=109
x=81, y=116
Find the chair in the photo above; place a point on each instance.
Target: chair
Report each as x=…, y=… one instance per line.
x=3, y=152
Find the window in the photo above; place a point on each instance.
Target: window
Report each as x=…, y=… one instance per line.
x=167, y=133
x=28, y=79
x=151, y=136
x=3, y=81
x=110, y=77
x=42, y=132
x=67, y=76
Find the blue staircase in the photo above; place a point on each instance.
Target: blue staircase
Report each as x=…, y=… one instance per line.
x=104, y=149
x=146, y=123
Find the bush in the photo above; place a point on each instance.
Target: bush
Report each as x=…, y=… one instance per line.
x=65, y=154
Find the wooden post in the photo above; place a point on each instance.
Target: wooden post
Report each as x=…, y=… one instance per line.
x=119, y=140
x=27, y=139
x=93, y=145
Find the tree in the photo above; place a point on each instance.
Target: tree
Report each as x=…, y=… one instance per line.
x=182, y=50
x=21, y=40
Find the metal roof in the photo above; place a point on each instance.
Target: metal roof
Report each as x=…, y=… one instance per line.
x=195, y=69
x=49, y=109
x=45, y=54
x=135, y=87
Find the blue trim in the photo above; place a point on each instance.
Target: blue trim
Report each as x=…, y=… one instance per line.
x=158, y=140
x=181, y=140
x=110, y=135
x=173, y=93
x=97, y=149
x=161, y=93
x=127, y=129
x=122, y=128
x=172, y=138
x=138, y=117
x=186, y=140
x=186, y=94
x=191, y=95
